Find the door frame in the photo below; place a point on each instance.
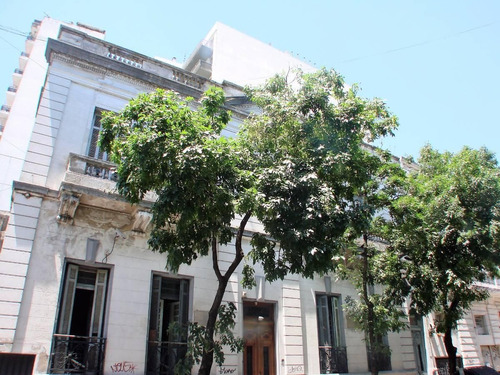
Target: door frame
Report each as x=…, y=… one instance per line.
x=251, y=317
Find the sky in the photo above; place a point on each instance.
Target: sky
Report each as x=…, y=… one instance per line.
x=435, y=63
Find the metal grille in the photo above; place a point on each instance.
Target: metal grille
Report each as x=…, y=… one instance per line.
x=77, y=355
x=163, y=355
x=333, y=359
x=442, y=365
x=382, y=358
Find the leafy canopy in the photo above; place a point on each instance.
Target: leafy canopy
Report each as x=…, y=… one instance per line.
x=161, y=143
x=296, y=166
x=446, y=231
x=309, y=161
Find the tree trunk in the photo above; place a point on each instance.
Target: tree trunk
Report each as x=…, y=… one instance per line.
x=208, y=355
x=207, y=358
x=372, y=344
x=452, y=352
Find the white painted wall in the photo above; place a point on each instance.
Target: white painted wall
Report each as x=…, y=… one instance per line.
x=20, y=122
x=241, y=59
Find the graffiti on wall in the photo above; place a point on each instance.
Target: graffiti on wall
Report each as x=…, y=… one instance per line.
x=295, y=369
x=225, y=370
x=123, y=367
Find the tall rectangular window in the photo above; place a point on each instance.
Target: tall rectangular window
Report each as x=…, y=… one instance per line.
x=332, y=350
x=93, y=150
x=481, y=325
x=78, y=343
x=169, y=304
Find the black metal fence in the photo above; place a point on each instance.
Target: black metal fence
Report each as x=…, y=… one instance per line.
x=77, y=355
x=333, y=359
x=382, y=358
x=163, y=355
x=442, y=365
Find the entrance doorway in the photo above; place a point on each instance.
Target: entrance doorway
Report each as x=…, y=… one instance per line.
x=417, y=335
x=258, y=333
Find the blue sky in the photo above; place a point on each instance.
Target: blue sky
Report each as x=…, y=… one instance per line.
x=435, y=63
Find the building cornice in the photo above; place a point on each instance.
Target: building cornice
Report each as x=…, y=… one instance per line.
x=104, y=65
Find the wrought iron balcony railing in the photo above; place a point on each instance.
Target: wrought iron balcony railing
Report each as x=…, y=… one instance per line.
x=77, y=355
x=163, y=355
x=442, y=367
x=333, y=359
x=382, y=358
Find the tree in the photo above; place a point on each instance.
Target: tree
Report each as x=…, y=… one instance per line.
x=294, y=166
x=161, y=144
x=445, y=232
x=308, y=155
x=362, y=260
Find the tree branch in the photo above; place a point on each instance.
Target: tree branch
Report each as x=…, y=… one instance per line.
x=215, y=260
x=239, y=249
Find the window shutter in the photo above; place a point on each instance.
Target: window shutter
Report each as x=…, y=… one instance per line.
x=184, y=302
x=336, y=321
x=323, y=321
x=154, y=316
x=98, y=307
x=93, y=149
x=67, y=300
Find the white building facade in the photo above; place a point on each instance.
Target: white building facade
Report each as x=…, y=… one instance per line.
x=80, y=292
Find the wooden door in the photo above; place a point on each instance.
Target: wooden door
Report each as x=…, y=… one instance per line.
x=259, y=354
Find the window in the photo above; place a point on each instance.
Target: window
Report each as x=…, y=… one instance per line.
x=332, y=350
x=481, y=326
x=79, y=343
x=169, y=304
x=382, y=356
x=94, y=150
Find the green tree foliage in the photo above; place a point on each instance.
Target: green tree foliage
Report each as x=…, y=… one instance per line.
x=295, y=166
x=198, y=340
x=161, y=144
x=309, y=161
x=361, y=261
x=445, y=234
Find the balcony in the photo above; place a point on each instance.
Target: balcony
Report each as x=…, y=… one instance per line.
x=333, y=359
x=92, y=182
x=16, y=77
x=10, y=96
x=382, y=358
x=163, y=355
x=77, y=355
x=442, y=367
x=80, y=168
x=28, y=45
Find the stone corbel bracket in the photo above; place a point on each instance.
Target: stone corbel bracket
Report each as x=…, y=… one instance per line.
x=67, y=208
x=141, y=220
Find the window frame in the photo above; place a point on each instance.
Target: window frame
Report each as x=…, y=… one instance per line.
x=482, y=328
x=93, y=142
x=332, y=358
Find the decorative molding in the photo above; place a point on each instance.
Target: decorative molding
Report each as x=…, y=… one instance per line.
x=67, y=208
x=79, y=63
x=141, y=221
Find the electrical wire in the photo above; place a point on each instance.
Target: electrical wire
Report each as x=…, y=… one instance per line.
x=13, y=31
x=418, y=44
